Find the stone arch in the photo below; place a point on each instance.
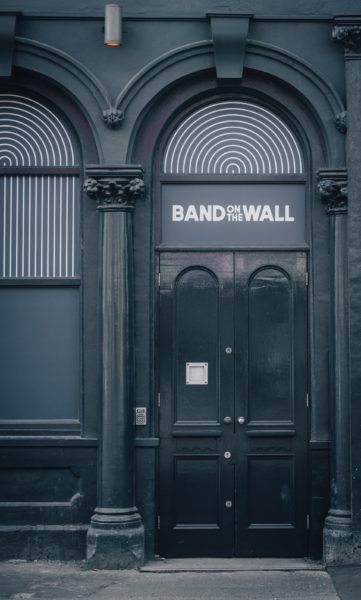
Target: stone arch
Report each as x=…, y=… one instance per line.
x=261, y=60
x=63, y=70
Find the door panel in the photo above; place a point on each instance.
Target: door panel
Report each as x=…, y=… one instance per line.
x=196, y=307
x=196, y=341
x=270, y=340
x=233, y=345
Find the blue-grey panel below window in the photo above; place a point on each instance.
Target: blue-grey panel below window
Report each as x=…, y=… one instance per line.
x=39, y=353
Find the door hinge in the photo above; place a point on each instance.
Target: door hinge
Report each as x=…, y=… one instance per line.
x=158, y=400
x=158, y=279
x=308, y=521
x=306, y=278
x=307, y=400
x=158, y=522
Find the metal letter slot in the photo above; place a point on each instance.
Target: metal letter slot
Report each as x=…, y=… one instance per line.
x=140, y=415
x=197, y=373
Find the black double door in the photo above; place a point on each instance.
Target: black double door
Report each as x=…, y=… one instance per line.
x=233, y=410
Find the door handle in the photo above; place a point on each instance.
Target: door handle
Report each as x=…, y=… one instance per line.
x=227, y=420
x=241, y=420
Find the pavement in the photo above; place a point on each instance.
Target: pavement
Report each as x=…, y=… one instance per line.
x=181, y=579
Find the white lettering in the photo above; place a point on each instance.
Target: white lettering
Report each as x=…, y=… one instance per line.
x=266, y=214
x=177, y=212
x=287, y=214
x=233, y=208
x=277, y=214
x=205, y=212
x=232, y=213
x=191, y=213
x=234, y=217
x=251, y=212
x=218, y=212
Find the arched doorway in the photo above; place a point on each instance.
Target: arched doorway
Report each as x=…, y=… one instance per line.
x=233, y=335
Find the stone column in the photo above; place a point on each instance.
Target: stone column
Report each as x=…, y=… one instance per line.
x=333, y=192
x=347, y=32
x=116, y=534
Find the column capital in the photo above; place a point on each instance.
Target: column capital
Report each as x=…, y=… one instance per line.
x=114, y=187
x=332, y=189
x=347, y=31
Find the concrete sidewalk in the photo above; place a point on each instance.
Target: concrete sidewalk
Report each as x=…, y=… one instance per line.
x=198, y=579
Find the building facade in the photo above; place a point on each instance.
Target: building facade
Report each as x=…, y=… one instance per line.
x=180, y=283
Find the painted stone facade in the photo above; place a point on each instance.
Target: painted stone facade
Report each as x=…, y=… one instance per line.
x=77, y=476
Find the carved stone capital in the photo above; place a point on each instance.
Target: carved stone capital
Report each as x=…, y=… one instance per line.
x=341, y=121
x=349, y=35
x=115, y=188
x=113, y=117
x=332, y=188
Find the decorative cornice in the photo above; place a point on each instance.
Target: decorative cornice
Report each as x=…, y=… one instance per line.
x=332, y=188
x=114, y=187
x=113, y=117
x=341, y=121
x=347, y=31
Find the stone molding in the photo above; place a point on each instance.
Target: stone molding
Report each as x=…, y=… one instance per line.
x=64, y=69
x=115, y=188
x=332, y=189
x=7, y=37
x=341, y=121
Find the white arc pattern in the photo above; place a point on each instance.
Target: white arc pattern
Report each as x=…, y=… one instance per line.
x=31, y=135
x=233, y=137
x=39, y=213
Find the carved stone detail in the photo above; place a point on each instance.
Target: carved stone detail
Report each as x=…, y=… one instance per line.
x=341, y=121
x=334, y=194
x=115, y=192
x=349, y=36
x=113, y=117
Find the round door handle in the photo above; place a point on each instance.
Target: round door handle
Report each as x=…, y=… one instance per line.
x=241, y=420
x=227, y=420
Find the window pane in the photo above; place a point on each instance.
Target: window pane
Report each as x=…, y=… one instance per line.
x=39, y=353
x=39, y=226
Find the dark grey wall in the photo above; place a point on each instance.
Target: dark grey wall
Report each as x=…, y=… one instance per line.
x=59, y=53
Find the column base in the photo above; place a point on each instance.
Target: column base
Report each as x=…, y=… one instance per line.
x=115, y=539
x=338, y=538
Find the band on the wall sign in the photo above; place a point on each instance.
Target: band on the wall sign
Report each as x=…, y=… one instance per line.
x=233, y=213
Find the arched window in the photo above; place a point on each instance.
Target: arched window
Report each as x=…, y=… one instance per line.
x=232, y=173
x=39, y=267
x=233, y=138
x=39, y=172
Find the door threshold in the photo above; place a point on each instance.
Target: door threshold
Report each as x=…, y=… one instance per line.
x=174, y=565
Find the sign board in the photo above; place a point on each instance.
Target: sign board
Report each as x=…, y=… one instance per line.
x=233, y=213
